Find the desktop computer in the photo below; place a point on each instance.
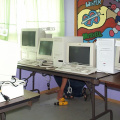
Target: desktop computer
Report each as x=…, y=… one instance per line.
x=106, y=51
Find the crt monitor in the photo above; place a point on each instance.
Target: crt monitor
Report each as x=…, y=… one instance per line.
x=82, y=53
x=29, y=40
x=45, y=49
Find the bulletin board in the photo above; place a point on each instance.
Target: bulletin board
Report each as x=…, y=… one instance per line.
x=96, y=19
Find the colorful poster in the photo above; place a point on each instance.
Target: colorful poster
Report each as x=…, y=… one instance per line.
x=98, y=19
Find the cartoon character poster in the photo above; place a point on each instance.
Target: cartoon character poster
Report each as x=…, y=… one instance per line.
x=98, y=18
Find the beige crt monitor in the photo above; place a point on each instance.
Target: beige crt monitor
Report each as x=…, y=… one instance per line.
x=29, y=42
x=82, y=53
x=45, y=49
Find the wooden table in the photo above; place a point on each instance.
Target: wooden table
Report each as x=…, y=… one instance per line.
x=18, y=102
x=112, y=80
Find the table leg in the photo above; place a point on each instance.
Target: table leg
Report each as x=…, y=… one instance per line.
x=33, y=83
x=2, y=116
x=93, y=101
x=91, y=88
x=20, y=73
x=33, y=79
x=105, y=88
x=93, y=91
x=106, y=104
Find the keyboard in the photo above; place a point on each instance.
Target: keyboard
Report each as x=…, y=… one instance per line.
x=40, y=63
x=80, y=69
x=28, y=62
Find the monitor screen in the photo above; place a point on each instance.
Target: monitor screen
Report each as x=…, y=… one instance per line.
x=79, y=54
x=45, y=49
x=28, y=38
x=82, y=53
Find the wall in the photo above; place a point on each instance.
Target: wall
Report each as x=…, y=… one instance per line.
x=69, y=17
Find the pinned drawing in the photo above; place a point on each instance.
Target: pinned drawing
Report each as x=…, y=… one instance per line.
x=98, y=18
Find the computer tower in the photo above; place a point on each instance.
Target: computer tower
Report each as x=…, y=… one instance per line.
x=106, y=51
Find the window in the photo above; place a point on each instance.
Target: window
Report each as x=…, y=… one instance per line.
x=17, y=14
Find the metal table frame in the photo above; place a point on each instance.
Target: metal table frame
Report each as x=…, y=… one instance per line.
x=91, y=81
